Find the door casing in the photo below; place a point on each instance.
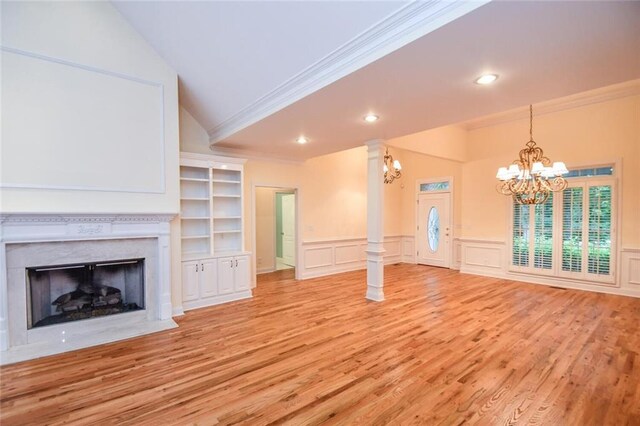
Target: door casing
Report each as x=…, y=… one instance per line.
x=449, y=238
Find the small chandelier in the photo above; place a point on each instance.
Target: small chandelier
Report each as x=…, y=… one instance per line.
x=531, y=178
x=389, y=162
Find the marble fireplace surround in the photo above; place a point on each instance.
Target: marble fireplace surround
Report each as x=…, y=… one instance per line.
x=28, y=240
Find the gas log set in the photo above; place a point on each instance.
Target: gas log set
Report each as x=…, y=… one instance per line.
x=87, y=301
x=62, y=293
x=87, y=295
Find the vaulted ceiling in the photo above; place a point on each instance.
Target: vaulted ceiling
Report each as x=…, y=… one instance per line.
x=258, y=74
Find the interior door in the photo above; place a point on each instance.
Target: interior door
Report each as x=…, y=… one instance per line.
x=434, y=229
x=289, y=229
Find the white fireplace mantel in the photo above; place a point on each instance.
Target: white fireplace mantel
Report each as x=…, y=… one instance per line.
x=43, y=228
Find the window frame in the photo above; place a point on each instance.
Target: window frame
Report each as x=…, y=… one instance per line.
x=532, y=230
x=556, y=269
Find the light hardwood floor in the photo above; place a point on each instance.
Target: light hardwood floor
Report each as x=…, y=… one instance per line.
x=444, y=348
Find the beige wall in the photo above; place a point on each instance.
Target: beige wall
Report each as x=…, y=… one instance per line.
x=193, y=137
x=588, y=135
x=332, y=194
x=66, y=157
x=416, y=167
x=448, y=142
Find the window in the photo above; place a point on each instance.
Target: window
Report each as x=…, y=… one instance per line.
x=571, y=235
x=594, y=171
x=433, y=229
x=533, y=234
x=434, y=186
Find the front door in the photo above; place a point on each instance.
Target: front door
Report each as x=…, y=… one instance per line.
x=434, y=229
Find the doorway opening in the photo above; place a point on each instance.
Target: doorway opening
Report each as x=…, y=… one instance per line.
x=275, y=229
x=285, y=203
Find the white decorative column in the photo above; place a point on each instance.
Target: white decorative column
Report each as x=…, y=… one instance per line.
x=375, y=220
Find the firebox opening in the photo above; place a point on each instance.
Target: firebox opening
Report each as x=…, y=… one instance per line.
x=63, y=293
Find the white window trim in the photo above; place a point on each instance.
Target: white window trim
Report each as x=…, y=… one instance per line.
x=584, y=275
x=556, y=270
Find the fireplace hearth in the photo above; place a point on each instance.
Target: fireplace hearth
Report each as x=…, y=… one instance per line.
x=124, y=261
x=62, y=293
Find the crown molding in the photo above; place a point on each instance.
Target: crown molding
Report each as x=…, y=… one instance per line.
x=396, y=30
x=211, y=157
x=252, y=155
x=604, y=94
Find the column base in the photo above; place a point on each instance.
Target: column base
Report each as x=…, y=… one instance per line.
x=375, y=294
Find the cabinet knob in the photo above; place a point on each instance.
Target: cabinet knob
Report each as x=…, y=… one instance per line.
x=202, y=266
x=196, y=267
x=236, y=263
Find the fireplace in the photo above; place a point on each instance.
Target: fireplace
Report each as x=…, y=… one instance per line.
x=63, y=293
x=75, y=280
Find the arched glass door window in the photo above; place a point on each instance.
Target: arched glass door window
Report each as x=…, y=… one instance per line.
x=433, y=229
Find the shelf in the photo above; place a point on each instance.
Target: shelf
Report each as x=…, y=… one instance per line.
x=195, y=237
x=225, y=181
x=236, y=231
x=193, y=255
x=225, y=196
x=195, y=218
x=226, y=217
x=194, y=199
x=194, y=179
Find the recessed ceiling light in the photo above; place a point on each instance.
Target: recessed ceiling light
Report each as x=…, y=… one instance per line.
x=486, y=79
x=370, y=118
x=302, y=140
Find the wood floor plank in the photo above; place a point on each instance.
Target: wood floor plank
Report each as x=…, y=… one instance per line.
x=443, y=348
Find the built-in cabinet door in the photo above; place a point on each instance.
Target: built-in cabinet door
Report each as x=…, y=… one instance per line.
x=190, y=281
x=208, y=278
x=226, y=268
x=242, y=273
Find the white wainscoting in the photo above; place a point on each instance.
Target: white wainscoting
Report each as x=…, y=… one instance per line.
x=326, y=257
x=489, y=258
x=457, y=254
x=630, y=269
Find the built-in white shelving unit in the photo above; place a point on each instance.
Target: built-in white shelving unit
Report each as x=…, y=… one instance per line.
x=211, y=216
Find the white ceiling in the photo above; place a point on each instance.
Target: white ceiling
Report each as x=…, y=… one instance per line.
x=542, y=51
x=230, y=53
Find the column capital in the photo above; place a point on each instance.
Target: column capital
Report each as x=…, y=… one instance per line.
x=374, y=144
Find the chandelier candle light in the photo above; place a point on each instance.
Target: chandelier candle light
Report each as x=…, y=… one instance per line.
x=390, y=163
x=531, y=178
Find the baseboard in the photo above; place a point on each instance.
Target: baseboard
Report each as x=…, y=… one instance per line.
x=265, y=270
x=553, y=282
x=177, y=311
x=217, y=300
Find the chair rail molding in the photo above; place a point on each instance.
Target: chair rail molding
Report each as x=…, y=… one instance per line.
x=396, y=30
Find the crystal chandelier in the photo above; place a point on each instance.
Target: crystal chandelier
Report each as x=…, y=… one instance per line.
x=531, y=178
x=390, y=163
